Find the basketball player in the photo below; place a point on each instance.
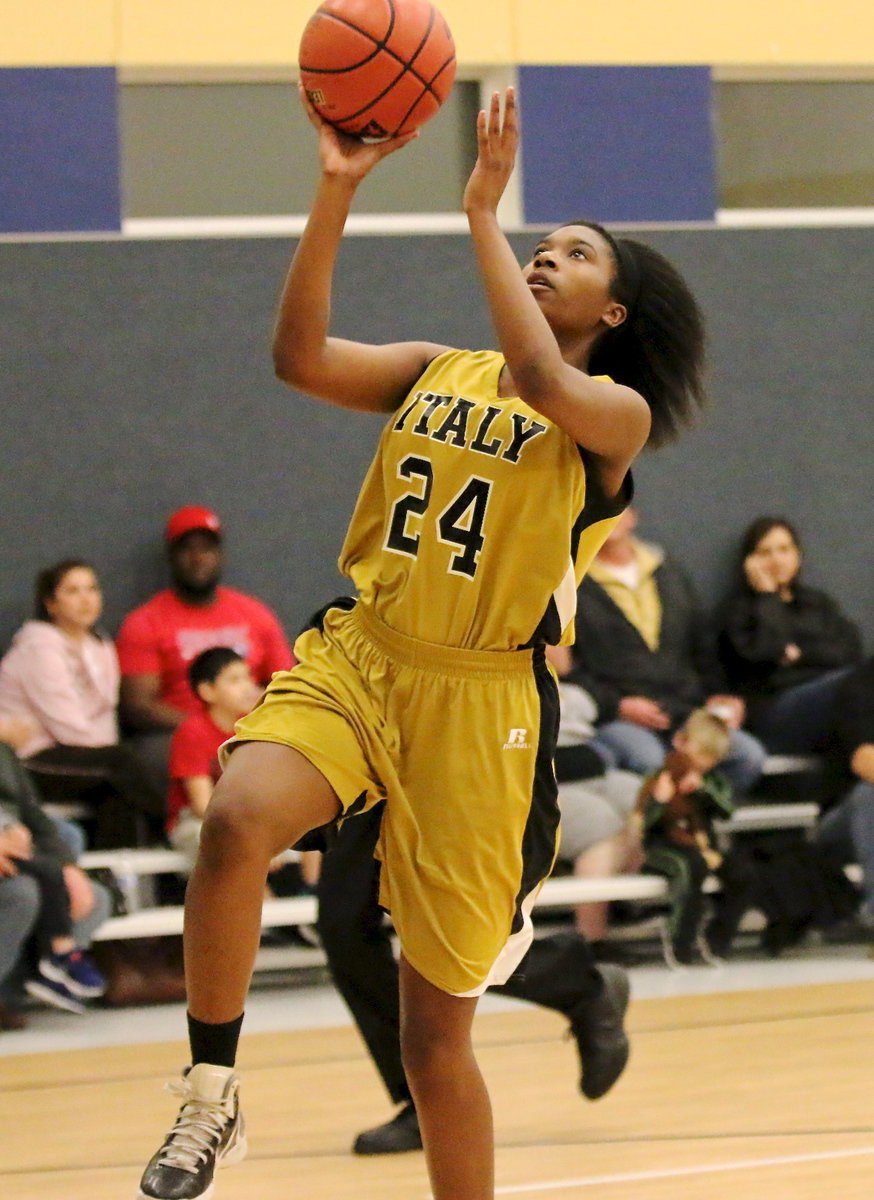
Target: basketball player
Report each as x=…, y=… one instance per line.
x=496, y=479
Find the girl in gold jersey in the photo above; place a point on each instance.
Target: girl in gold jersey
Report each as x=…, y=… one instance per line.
x=497, y=478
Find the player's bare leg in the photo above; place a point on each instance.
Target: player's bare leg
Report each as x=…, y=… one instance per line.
x=268, y=798
x=451, y=1100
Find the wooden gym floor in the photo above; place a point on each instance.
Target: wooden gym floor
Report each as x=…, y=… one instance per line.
x=761, y=1094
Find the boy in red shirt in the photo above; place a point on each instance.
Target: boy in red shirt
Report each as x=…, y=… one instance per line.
x=223, y=683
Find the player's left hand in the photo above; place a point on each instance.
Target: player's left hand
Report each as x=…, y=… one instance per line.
x=497, y=142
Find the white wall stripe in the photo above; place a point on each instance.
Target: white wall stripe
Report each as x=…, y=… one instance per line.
x=403, y=224
x=678, y=1172
x=787, y=218
x=392, y=224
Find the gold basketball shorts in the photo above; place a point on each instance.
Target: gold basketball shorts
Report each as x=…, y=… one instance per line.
x=460, y=744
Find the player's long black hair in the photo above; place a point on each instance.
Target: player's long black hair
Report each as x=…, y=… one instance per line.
x=659, y=348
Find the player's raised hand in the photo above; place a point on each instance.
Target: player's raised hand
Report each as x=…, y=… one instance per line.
x=344, y=156
x=497, y=137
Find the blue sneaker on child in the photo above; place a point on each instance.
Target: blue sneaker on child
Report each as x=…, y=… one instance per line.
x=50, y=991
x=76, y=971
x=65, y=980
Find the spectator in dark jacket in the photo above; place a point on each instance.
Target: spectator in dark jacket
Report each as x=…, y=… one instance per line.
x=21, y=898
x=646, y=652
x=846, y=832
x=786, y=646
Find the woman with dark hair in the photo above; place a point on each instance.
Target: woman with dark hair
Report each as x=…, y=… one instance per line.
x=785, y=646
x=497, y=477
x=60, y=678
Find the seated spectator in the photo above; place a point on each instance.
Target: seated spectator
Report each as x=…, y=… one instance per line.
x=44, y=898
x=159, y=639
x=60, y=679
x=596, y=803
x=646, y=653
x=221, y=680
x=16, y=734
x=846, y=831
x=677, y=806
x=223, y=683
x=785, y=645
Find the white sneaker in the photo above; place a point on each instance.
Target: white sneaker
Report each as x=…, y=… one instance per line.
x=209, y=1133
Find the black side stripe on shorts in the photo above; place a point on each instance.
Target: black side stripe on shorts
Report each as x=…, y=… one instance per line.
x=538, y=840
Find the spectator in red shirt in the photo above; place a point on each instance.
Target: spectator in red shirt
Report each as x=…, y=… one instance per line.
x=223, y=684
x=158, y=640
x=225, y=690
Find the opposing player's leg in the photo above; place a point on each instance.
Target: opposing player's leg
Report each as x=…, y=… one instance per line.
x=269, y=796
x=454, y=1110
x=560, y=972
x=358, y=947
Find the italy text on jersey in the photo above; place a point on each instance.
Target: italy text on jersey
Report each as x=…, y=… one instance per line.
x=457, y=429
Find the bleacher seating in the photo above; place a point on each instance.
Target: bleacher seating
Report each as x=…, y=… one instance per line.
x=134, y=868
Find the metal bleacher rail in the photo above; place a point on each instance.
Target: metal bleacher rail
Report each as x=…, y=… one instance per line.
x=134, y=870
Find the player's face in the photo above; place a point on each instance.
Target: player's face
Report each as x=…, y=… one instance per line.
x=570, y=274
x=78, y=601
x=234, y=689
x=196, y=562
x=778, y=553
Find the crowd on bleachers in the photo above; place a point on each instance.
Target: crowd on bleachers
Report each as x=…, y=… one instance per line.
x=131, y=728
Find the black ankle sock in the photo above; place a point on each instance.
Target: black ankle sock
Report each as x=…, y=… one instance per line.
x=214, y=1043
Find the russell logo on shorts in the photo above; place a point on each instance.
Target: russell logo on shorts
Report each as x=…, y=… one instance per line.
x=517, y=739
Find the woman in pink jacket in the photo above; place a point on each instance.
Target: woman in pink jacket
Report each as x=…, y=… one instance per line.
x=61, y=677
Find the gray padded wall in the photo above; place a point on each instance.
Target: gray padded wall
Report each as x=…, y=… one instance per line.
x=137, y=378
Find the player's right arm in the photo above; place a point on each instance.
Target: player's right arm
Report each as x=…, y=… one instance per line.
x=350, y=374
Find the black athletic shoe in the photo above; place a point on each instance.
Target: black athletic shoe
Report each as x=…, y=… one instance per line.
x=209, y=1133
x=396, y=1136
x=598, y=1027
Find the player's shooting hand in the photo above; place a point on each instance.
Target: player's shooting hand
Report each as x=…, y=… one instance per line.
x=344, y=157
x=497, y=140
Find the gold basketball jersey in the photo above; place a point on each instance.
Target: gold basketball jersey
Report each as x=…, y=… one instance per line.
x=476, y=521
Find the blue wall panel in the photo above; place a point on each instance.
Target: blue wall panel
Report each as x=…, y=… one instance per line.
x=59, y=150
x=620, y=144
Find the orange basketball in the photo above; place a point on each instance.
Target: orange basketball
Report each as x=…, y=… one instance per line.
x=376, y=68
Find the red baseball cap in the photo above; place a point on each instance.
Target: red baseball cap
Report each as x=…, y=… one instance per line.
x=186, y=520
